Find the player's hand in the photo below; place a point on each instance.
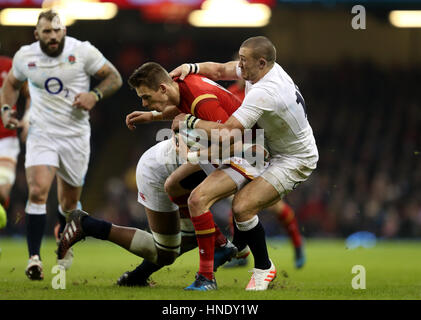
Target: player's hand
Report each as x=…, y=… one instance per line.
x=10, y=120
x=176, y=122
x=84, y=100
x=137, y=117
x=181, y=71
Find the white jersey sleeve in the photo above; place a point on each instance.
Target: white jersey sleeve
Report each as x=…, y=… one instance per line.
x=252, y=108
x=18, y=66
x=94, y=60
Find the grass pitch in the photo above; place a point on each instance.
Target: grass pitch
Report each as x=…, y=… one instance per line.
x=393, y=271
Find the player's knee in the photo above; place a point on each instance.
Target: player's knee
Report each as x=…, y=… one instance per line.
x=38, y=194
x=171, y=186
x=197, y=202
x=240, y=209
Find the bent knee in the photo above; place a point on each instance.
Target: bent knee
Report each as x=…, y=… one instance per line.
x=171, y=186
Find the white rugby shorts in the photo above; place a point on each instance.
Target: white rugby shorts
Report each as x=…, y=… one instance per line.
x=150, y=179
x=239, y=170
x=286, y=173
x=70, y=155
x=9, y=149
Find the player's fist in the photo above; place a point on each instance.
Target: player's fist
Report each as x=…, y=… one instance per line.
x=85, y=100
x=181, y=71
x=9, y=118
x=176, y=122
x=137, y=117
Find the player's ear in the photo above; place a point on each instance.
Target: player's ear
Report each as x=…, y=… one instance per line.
x=36, y=35
x=262, y=63
x=163, y=88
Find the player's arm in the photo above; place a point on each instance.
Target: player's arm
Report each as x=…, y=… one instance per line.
x=139, y=117
x=110, y=82
x=211, y=70
x=24, y=122
x=9, y=96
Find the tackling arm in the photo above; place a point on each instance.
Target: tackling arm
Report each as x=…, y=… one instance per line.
x=9, y=96
x=211, y=70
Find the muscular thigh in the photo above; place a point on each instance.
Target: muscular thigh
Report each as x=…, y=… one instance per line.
x=177, y=183
x=163, y=222
x=216, y=186
x=39, y=178
x=255, y=196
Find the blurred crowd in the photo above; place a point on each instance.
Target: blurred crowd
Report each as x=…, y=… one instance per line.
x=367, y=124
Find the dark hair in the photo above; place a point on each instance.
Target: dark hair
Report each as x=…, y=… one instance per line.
x=49, y=15
x=149, y=74
x=261, y=47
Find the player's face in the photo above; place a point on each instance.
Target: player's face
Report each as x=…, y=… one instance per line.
x=153, y=100
x=248, y=64
x=51, y=37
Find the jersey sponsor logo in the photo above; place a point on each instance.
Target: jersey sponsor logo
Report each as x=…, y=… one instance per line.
x=72, y=59
x=142, y=196
x=53, y=85
x=32, y=64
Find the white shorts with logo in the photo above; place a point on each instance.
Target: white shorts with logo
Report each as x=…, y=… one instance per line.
x=286, y=173
x=150, y=178
x=9, y=150
x=69, y=154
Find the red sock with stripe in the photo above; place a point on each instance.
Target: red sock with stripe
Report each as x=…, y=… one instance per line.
x=181, y=202
x=287, y=217
x=205, y=234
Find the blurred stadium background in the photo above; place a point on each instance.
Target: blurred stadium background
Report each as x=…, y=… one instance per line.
x=360, y=88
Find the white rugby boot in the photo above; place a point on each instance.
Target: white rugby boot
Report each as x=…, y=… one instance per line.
x=261, y=279
x=34, y=268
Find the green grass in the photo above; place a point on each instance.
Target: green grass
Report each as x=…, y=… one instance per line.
x=393, y=271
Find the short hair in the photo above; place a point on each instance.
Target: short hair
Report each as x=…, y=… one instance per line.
x=149, y=74
x=49, y=15
x=261, y=47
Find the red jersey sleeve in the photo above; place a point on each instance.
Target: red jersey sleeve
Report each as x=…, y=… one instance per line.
x=207, y=107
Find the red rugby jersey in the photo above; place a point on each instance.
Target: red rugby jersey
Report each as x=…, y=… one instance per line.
x=206, y=99
x=237, y=91
x=5, y=66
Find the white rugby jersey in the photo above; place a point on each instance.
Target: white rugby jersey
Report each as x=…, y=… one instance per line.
x=276, y=105
x=55, y=81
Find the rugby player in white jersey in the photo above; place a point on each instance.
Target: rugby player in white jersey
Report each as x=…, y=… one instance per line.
x=274, y=103
x=58, y=69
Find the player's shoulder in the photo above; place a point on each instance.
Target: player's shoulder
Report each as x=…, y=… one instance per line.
x=27, y=54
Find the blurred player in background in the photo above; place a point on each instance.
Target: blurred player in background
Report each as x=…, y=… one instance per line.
x=9, y=146
x=284, y=213
x=58, y=68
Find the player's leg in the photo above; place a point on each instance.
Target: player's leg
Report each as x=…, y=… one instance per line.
x=7, y=178
x=286, y=216
x=216, y=186
x=254, y=197
x=68, y=198
x=39, y=179
x=9, y=150
x=179, y=185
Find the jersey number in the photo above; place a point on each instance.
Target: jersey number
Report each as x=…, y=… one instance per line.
x=300, y=100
